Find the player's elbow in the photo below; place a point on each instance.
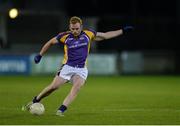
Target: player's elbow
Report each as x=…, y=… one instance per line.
x=53, y=41
x=107, y=35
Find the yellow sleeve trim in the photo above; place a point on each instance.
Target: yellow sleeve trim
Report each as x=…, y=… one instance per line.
x=89, y=34
x=63, y=39
x=65, y=55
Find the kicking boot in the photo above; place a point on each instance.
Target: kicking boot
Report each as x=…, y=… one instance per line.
x=59, y=113
x=26, y=107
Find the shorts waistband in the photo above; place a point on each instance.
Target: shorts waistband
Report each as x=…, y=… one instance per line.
x=76, y=66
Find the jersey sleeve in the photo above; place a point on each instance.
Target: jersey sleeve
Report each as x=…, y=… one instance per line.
x=61, y=37
x=91, y=34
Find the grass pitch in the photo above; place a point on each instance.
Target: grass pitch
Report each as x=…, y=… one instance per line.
x=103, y=100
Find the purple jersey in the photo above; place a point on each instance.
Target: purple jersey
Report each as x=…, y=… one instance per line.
x=76, y=49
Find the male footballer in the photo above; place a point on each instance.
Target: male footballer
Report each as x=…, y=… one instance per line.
x=77, y=43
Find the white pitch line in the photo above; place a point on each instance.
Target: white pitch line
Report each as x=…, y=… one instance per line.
x=142, y=110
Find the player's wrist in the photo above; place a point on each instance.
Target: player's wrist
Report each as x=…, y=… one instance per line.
x=40, y=55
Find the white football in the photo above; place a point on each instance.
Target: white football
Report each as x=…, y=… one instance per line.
x=37, y=109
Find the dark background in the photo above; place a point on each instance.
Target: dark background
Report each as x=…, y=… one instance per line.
x=156, y=23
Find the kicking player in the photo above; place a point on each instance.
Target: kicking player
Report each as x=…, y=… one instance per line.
x=76, y=49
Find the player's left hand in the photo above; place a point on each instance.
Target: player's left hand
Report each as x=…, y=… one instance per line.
x=127, y=29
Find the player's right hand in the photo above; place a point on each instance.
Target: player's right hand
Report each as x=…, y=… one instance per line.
x=37, y=58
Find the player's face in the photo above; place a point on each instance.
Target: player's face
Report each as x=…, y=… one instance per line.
x=75, y=29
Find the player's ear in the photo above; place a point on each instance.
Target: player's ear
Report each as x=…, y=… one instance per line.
x=81, y=27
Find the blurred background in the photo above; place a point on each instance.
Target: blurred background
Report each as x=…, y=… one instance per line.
x=152, y=48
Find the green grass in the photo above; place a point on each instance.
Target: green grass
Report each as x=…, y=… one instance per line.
x=103, y=100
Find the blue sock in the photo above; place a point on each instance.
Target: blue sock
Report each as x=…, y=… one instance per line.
x=62, y=108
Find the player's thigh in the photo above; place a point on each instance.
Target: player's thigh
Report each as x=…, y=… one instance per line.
x=78, y=82
x=58, y=81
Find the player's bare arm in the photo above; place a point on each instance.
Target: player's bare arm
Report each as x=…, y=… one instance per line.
x=111, y=34
x=48, y=45
x=44, y=49
x=108, y=35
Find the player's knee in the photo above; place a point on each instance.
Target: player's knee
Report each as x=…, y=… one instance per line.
x=79, y=87
x=54, y=88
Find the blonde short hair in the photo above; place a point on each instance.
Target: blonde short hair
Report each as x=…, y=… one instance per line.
x=75, y=19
